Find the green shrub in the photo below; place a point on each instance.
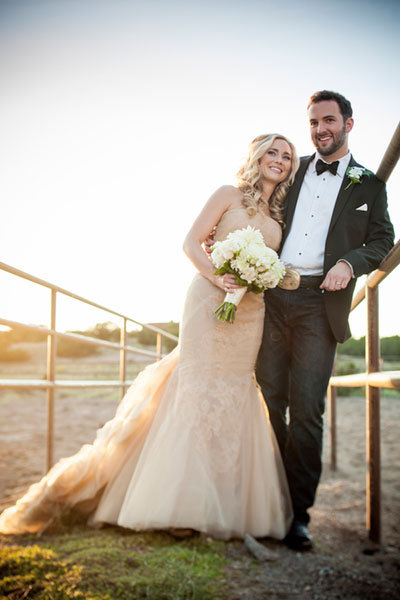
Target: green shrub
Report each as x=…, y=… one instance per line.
x=390, y=347
x=352, y=347
x=14, y=336
x=348, y=367
x=103, y=331
x=149, y=338
x=69, y=348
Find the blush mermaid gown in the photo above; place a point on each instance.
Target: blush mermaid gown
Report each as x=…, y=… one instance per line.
x=191, y=444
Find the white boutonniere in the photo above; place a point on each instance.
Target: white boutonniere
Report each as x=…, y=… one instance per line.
x=355, y=174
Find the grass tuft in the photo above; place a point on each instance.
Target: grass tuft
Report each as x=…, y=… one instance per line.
x=111, y=564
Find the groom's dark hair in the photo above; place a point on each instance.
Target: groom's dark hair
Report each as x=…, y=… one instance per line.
x=344, y=104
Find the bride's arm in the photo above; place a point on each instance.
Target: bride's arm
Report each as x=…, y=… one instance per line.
x=223, y=199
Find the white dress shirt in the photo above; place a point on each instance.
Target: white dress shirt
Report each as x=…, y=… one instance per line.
x=304, y=246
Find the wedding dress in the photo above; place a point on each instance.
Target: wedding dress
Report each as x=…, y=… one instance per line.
x=191, y=444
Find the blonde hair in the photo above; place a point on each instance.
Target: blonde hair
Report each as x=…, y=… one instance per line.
x=250, y=177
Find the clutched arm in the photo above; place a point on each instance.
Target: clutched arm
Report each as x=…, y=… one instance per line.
x=218, y=203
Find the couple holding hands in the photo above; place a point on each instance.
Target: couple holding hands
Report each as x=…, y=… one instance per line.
x=194, y=444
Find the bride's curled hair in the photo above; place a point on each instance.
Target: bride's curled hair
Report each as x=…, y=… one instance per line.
x=250, y=177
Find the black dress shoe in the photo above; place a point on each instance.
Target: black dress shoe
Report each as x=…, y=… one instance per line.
x=299, y=538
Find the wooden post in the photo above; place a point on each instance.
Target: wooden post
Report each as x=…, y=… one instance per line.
x=159, y=346
x=122, y=359
x=51, y=371
x=373, y=419
x=332, y=424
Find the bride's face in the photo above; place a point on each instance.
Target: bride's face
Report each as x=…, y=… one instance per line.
x=276, y=162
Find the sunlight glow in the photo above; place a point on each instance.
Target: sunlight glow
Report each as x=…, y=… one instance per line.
x=120, y=119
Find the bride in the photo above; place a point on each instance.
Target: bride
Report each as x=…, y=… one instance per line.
x=191, y=444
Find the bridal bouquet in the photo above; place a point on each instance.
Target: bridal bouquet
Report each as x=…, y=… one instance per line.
x=255, y=267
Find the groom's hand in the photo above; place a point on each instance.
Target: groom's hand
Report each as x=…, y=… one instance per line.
x=209, y=242
x=337, y=277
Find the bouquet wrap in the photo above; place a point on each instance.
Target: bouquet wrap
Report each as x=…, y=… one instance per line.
x=226, y=311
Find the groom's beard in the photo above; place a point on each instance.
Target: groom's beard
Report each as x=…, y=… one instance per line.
x=338, y=139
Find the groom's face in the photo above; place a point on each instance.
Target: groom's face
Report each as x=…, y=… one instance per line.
x=328, y=129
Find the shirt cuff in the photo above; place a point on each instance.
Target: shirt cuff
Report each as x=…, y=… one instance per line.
x=347, y=263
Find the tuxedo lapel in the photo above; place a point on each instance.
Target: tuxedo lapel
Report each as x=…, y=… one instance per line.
x=343, y=196
x=293, y=194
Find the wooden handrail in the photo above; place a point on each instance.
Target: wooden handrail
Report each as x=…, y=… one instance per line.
x=56, y=288
x=389, y=263
x=78, y=337
x=390, y=157
x=373, y=379
x=382, y=379
x=51, y=383
x=44, y=384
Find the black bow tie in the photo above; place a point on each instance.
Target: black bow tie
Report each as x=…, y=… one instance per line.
x=322, y=166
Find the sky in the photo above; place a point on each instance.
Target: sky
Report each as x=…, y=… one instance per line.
x=119, y=118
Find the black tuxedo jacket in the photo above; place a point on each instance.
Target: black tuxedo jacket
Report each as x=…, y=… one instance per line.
x=362, y=237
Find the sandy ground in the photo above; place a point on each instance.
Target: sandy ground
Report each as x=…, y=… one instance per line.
x=338, y=518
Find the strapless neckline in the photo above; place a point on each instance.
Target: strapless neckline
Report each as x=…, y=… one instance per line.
x=263, y=215
x=272, y=233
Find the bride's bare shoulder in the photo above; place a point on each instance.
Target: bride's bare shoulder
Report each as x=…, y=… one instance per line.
x=231, y=194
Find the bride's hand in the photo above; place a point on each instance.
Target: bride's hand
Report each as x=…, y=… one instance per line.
x=226, y=282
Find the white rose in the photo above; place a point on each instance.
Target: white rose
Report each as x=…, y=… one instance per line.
x=217, y=257
x=250, y=235
x=356, y=172
x=256, y=251
x=232, y=243
x=248, y=274
x=227, y=253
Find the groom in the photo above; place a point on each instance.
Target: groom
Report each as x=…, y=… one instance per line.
x=337, y=228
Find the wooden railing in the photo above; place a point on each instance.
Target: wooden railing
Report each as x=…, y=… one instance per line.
x=373, y=379
x=51, y=383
